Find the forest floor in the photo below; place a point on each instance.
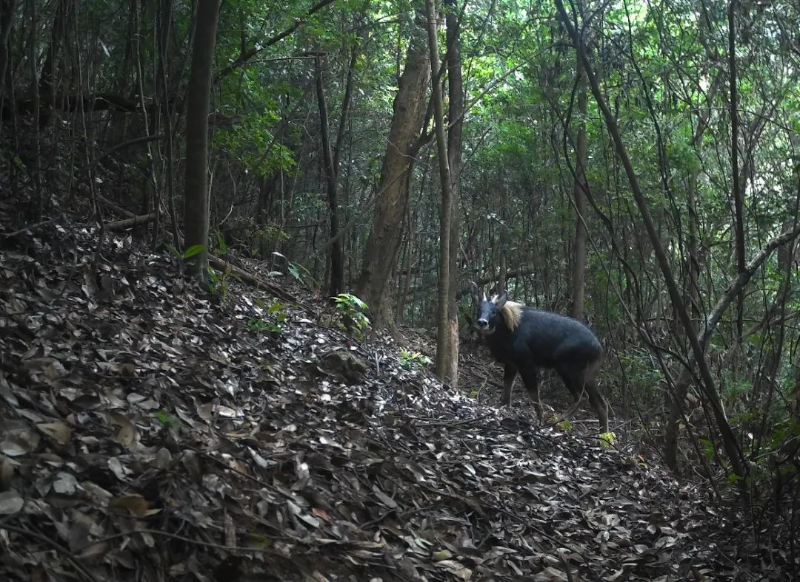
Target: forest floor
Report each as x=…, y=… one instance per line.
x=149, y=431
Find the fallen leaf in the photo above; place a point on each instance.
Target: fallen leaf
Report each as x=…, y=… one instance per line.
x=10, y=503
x=132, y=504
x=58, y=430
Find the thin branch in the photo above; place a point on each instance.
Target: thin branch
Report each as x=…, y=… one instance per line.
x=48, y=541
x=245, y=57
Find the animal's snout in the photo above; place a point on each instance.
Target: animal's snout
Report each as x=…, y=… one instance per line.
x=483, y=324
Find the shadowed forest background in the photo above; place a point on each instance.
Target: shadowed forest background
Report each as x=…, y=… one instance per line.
x=634, y=164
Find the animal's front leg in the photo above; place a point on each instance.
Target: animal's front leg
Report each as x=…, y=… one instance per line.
x=508, y=383
x=530, y=377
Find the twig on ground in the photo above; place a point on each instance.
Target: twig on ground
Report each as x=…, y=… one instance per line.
x=53, y=544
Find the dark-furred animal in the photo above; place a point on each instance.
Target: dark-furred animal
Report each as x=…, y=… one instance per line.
x=525, y=339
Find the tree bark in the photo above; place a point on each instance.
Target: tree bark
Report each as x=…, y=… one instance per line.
x=502, y=248
x=579, y=191
x=196, y=196
x=6, y=18
x=730, y=443
x=797, y=384
x=738, y=198
x=336, y=254
x=442, y=336
x=455, y=115
x=64, y=17
x=380, y=251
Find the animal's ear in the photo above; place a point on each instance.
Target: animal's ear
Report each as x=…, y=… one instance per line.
x=500, y=301
x=476, y=292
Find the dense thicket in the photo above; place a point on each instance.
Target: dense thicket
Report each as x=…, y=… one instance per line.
x=323, y=159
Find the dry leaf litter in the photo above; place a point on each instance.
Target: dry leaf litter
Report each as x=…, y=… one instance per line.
x=149, y=432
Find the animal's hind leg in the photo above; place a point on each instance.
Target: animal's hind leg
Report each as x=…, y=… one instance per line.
x=582, y=382
x=599, y=404
x=595, y=398
x=531, y=379
x=570, y=382
x=509, y=375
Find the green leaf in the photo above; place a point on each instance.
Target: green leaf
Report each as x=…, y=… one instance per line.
x=193, y=250
x=223, y=247
x=607, y=439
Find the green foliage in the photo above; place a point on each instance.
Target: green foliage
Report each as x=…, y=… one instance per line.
x=301, y=274
x=277, y=318
x=413, y=360
x=252, y=144
x=192, y=251
x=218, y=283
x=644, y=377
x=707, y=447
x=351, y=314
x=607, y=439
x=222, y=246
x=256, y=324
x=171, y=422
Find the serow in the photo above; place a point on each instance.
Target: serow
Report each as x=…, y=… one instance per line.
x=525, y=339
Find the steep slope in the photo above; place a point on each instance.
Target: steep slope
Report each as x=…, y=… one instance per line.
x=151, y=432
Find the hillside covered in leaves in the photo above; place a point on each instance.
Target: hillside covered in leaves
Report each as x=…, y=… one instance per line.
x=151, y=430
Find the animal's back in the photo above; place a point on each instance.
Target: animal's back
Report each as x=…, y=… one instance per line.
x=551, y=337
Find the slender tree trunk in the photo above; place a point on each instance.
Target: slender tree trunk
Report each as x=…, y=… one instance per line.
x=196, y=196
x=33, y=18
x=738, y=198
x=797, y=384
x=730, y=443
x=694, y=246
x=405, y=275
x=502, y=252
x=165, y=23
x=442, y=335
x=6, y=18
x=344, y=117
x=455, y=115
x=336, y=255
x=579, y=191
x=380, y=251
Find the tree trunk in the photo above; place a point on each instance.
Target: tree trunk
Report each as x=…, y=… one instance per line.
x=336, y=255
x=6, y=18
x=579, y=191
x=455, y=115
x=797, y=384
x=738, y=197
x=383, y=243
x=694, y=248
x=196, y=204
x=63, y=23
x=405, y=274
x=442, y=335
x=502, y=248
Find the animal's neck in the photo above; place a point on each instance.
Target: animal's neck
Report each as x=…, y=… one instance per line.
x=511, y=313
x=500, y=331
